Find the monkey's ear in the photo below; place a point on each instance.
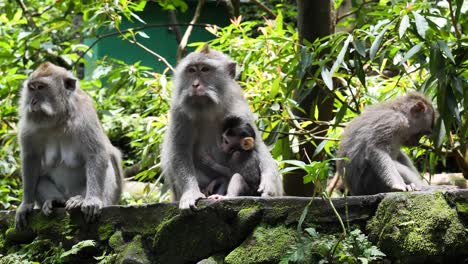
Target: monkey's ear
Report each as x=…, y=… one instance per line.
x=70, y=84
x=231, y=69
x=205, y=49
x=418, y=107
x=247, y=143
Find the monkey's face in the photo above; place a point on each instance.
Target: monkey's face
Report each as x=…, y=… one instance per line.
x=203, y=80
x=421, y=123
x=47, y=96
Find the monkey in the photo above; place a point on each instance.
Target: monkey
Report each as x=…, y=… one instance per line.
x=238, y=145
x=371, y=145
x=67, y=159
x=204, y=93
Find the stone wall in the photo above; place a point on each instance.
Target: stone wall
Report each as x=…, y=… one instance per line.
x=422, y=227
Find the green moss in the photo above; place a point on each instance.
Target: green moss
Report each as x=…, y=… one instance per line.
x=246, y=213
x=42, y=224
x=105, y=230
x=265, y=245
x=417, y=225
x=462, y=207
x=116, y=240
x=134, y=252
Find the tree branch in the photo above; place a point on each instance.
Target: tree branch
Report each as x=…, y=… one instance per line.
x=188, y=31
x=264, y=8
x=26, y=14
x=111, y=34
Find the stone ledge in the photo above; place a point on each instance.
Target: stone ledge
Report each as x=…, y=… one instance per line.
x=409, y=227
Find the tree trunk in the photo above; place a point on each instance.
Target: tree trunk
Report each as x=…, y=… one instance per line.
x=315, y=19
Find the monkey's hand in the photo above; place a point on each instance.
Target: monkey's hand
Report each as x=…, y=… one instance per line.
x=91, y=208
x=189, y=199
x=21, y=218
x=404, y=187
x=49, y=204
x=74, y=202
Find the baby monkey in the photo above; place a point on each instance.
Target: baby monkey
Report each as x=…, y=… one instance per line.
x=242, y=175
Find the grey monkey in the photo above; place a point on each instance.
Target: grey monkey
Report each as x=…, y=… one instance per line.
x=242, y=172
x=372, y=144
x=204, y=94
x=66, y=156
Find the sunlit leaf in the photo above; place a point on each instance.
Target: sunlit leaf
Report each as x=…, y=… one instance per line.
x=327, y=78
x=446, y=50
x=376, y=44
x=412, y=52
x=421, y=24
x=404, y=24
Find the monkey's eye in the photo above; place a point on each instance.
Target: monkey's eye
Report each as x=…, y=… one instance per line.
x=40, y=86
x=205, y=69
x=192, y=69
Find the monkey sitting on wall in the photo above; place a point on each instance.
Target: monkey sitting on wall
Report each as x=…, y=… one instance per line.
x=372, y=141
x=66, y=157
x=241, y=177
x=204, y=94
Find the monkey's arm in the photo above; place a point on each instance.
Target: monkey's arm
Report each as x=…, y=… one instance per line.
x=207, y=161
x=270, y=180
x=405, y=160
x=383, y=165
x=408, y=171
x=31, y=167
x=177, y=160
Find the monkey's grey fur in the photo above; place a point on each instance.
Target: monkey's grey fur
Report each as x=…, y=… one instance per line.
x=204, y=94
x=372, y=142
x=66, y=156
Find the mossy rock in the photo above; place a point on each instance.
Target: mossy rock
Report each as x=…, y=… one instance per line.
x=418, y=228
x=265, y=245
x=134, y=252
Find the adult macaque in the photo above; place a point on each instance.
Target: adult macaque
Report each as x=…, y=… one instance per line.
x=66, y=156
x=241, y=177
x=205, y=93
x=372, y=143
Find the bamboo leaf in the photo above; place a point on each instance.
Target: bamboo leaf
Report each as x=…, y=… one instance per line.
x=421, y=24
x=359, y=46
x=446, y=50
x=404, y=24
x=326, y=76
x=341, y=55
x=376, y=44
x=412, y=52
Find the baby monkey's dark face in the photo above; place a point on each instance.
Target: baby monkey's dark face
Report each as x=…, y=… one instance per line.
x=237, y=136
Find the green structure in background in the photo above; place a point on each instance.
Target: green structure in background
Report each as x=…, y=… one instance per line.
x=162, y=40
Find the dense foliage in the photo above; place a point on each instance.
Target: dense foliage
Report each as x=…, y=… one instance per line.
x=395, y=47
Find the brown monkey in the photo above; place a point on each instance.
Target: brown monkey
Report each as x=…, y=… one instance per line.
x=205, y=93
x=372, y=142
x=66, y=156
x=242, y=174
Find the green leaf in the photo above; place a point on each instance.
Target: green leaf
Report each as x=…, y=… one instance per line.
x=143, y=34
x=446, y=50
x=77, y=247
x=341, y=55
x=319, y=148
x=439, y=132
x=404, y=24
x=421, y=24
x=376, y=44
x=327, y=78
x=275, y=87
x=411, y=52
x=359, y=70
x=359, y=46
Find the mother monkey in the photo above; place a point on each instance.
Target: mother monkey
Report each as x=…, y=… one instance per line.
x=205, y=93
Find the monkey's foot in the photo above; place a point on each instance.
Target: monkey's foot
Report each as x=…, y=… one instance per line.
x=22, y=213
x=189, y=199
x=404, y=187
x=268, y=189
x=91, y=208
x=74, y=202
x=48, y=205
x=216, y=197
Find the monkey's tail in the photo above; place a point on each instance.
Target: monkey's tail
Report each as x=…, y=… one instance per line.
x=116, y=160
